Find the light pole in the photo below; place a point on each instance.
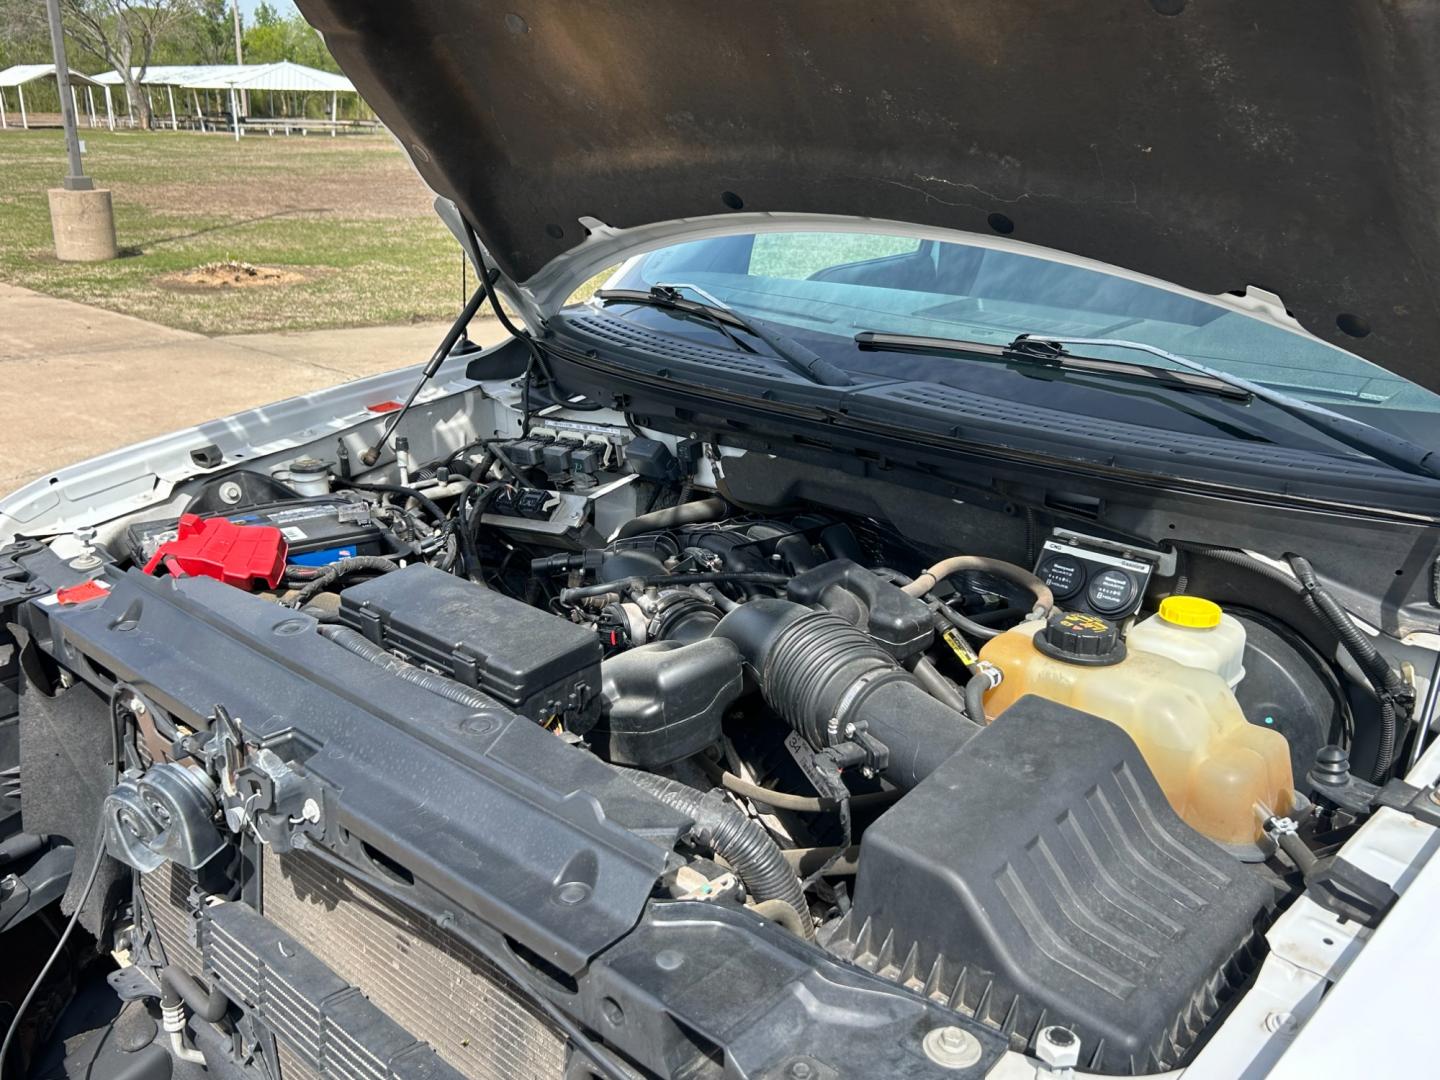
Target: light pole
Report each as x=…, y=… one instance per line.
x=75, y=180
x=81, y=216
x=239, y=52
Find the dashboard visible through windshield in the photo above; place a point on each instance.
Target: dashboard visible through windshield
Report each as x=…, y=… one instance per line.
x=829, y=285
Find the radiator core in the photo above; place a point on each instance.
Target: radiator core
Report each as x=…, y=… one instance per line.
x=427, y=980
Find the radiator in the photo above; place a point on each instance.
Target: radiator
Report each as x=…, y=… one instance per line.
x=428, y=981
x=167, y=891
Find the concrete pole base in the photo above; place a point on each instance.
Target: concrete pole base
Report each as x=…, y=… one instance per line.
x=84, y=225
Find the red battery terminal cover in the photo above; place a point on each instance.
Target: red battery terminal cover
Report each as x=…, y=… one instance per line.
x=246, y=556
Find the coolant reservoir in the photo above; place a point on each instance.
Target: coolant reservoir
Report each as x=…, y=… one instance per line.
x=1196, y=633
x=1214, y=767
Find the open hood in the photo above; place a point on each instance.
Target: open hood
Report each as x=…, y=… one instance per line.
x=1215, y=144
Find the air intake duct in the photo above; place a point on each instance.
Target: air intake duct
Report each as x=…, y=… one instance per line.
x=832, y=684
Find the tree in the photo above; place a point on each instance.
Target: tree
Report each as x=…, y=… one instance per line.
x=24, y=33
x=125, y=33
x=204, y=36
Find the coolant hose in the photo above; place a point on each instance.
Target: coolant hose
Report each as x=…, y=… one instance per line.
x=830, y=682
x=1018, y=575
x=690, y=513
x=357, y=643
x=743, y=843
x=178, y=988
x=975, y=698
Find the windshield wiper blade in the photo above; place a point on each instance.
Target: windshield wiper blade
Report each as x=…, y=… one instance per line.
x=805, y=362
x=1369, y=440
x=1028, y=350
x=1045, y=350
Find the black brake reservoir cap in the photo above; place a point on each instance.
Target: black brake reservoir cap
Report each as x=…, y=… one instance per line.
x=1078, y=638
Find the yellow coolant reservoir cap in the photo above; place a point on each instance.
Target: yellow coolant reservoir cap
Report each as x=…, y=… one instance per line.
x=1192, y=611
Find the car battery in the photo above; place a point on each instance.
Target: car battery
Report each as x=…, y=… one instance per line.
x=318, y=530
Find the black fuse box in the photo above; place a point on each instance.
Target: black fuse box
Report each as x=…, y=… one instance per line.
x=317, y=530
x=538, y=664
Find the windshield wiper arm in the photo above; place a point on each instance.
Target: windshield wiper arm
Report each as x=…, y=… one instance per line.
x=795, y=356
x=1356, y=434
x=1045, y=350
x=1028, y=350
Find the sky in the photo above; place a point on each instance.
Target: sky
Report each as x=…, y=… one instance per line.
x=284, y=7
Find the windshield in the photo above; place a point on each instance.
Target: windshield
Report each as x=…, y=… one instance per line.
x=830, y=285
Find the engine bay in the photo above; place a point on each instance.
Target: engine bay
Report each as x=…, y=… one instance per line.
x=575, y=676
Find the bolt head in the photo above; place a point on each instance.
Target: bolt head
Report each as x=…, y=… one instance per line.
x=952, y=1047
x=1058, y=1047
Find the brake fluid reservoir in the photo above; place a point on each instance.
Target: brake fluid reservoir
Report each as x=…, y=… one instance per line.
x=1196, y=633
x=1222, y=775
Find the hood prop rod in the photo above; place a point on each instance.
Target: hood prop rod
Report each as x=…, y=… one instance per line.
x=457, y=329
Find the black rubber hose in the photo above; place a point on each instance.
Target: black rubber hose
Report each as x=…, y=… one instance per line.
x=975, y=698
x=341, y=569
x=1365, y=653
x=357, y=643
x=1239, y=558
x=1386, y=682
x=177, y=987
x=1389, y=686
x=744, y=844
x=690, y=513
x=937, y=685
x=719, y=599
x=469, y=525
x=960, y=622
x=482, y=470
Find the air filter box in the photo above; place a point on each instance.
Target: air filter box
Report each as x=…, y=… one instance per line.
x=538, y=664
x=1040, y=877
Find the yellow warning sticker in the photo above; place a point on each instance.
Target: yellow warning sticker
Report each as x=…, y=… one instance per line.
x=957, y=646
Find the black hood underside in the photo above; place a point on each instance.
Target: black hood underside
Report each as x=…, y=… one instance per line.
x=1216, y=144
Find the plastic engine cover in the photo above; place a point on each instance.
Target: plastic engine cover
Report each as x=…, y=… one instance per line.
x=1040, y=877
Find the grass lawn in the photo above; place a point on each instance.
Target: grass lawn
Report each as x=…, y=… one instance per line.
x=346, y=214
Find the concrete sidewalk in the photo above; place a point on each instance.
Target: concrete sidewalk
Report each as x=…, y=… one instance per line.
x=76, y=381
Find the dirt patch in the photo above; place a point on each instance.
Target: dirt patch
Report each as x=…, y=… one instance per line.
x=231, y=274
